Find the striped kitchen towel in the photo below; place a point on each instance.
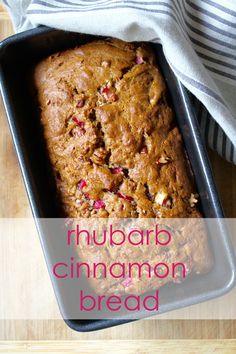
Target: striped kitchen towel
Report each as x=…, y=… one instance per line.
x=198, y=38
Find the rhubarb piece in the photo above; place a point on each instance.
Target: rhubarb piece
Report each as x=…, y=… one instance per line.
x=167, y=203
x=80, y=123
x=80, y=103
x=82, y=184
x=124, y=196
x=99, y=204
x=139, y=59
x=108, y=92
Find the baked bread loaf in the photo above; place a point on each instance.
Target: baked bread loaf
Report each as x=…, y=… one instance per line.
x=113, y=141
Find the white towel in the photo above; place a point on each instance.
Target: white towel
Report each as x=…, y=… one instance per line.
x=198, y=39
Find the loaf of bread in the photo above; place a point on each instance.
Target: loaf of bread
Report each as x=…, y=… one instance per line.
x=114, y=144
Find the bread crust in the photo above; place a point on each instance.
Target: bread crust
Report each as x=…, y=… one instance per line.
x=113, y=141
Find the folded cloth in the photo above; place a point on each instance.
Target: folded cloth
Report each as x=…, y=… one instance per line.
x=198, y=39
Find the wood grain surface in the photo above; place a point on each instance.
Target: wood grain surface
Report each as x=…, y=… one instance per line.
x=122, y=347
x=147, y=336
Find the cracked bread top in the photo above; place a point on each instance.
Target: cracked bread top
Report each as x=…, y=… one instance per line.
x=111, y=135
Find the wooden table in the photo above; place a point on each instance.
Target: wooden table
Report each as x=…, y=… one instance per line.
x=152, y=336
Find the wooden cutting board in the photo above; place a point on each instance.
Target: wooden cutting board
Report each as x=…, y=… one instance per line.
x=147, y=336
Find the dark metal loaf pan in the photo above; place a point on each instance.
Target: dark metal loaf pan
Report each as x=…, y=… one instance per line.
x=18, y=54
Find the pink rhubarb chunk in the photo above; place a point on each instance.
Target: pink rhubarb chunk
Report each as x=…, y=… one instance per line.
x=99, y=204
x=82, y=184
x=125, y=197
